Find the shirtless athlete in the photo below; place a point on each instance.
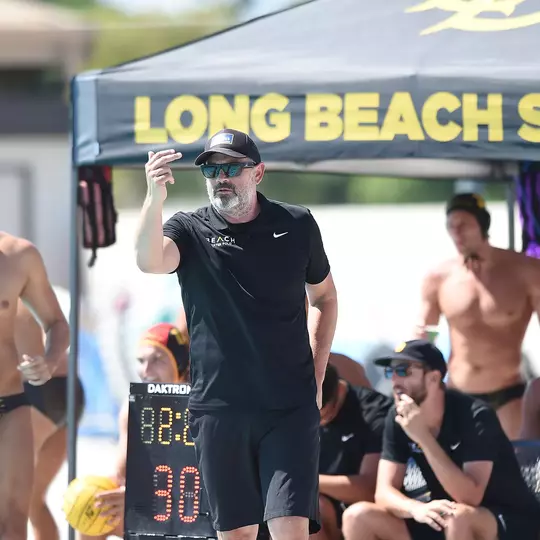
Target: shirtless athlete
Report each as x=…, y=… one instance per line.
x=49, y=421
x=488, y=296
x=23, y=275
x=163, y=358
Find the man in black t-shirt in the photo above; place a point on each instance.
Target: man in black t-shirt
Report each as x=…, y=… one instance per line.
x=245, y=264
x=352, y=423
x=476, y=488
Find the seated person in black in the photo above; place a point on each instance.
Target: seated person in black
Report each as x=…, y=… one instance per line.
x=476, y=488
x=352, y=424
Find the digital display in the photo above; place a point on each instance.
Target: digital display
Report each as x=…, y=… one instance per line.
x=164, y=489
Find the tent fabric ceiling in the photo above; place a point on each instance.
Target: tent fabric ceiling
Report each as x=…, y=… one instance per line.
x=330, y=81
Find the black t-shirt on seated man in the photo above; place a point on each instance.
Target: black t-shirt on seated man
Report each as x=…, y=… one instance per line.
x=243, y=289
x=356, y=431
x=470, y=432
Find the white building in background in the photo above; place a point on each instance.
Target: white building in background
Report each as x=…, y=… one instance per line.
x=41, y=47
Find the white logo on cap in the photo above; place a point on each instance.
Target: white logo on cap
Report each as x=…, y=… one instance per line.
x=222, y=138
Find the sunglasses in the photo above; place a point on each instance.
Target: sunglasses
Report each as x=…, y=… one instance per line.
x=230, y=170
x=402, y=370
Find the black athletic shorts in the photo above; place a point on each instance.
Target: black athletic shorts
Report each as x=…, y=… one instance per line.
x=510, y=527
x=258, y=465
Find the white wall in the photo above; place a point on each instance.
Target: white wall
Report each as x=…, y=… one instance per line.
x=48, y=160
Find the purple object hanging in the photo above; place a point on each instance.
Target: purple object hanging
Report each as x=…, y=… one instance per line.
x=528, y=199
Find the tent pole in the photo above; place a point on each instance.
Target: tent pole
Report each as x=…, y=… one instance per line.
x=511, y=205
x=74, y=290
x=74, y=286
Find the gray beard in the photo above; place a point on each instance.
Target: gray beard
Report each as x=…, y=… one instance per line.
x=232, y=205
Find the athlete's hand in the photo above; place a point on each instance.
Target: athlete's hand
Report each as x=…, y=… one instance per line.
x=113, y=503
x=35, y=370
x=409, y=417
x=434, y=513
x=158, y=172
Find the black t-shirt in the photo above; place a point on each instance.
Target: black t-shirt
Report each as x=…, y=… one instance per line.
x=243, y=288
x=356, y=430
x=470, y=432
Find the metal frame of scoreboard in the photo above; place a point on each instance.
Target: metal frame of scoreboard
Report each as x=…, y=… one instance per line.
x=165, y=495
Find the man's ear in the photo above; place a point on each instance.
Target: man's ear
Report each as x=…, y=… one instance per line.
x=259, y=173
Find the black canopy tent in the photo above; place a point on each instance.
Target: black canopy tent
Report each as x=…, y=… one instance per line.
x=413, y=88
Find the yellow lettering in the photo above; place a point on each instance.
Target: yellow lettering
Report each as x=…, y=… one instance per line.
x=223, y=115
x=401, y=119
x=199, y=119
x=491, y=116
x=529, y=111
x=430, y=120
x=323, y=121
x=144, y=132
x=278, y=127
x=361, y=109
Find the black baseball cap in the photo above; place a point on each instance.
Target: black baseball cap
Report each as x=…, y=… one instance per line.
x=230, y=142
x=416, y=350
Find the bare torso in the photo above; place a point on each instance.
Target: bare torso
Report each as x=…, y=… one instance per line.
x=488, y=313
x=12, y=282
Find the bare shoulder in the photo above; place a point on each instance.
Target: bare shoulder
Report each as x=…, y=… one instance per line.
x=436, y=275
x=21, y=251
x=14, y=245
x=528, y=267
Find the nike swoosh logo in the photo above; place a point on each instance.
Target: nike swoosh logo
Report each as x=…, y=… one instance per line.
x=280, y=234
x=454, y=446
x=345, y=438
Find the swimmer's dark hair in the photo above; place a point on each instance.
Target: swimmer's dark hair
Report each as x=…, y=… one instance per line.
x=475, y=205
x=330, y=385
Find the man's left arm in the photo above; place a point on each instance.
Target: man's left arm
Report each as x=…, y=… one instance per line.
x=322, y=321
x=467, y=485
x=322, y=297
x=353, y=488
x=40, y=297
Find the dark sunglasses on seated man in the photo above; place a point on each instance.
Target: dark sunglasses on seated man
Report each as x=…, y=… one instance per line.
x=401, y=370
x=211, y=170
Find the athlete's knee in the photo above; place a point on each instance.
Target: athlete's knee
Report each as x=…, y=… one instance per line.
x=361, y=514
x=243, y=533
x=15, y=526
x=461, y=521
x=289, y=528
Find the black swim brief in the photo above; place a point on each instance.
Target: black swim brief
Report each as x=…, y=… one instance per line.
x=10, y=403
x=501, y=397
x=51, y=399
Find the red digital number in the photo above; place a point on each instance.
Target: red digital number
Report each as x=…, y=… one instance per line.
x=192, y=492
x=163, y=493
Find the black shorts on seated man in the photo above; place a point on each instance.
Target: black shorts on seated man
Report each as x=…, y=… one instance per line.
x=352, y=424
x=471, y=471
x=244, y=264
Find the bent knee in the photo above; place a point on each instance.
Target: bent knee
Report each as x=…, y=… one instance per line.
x=463, y=516
x=360, y=513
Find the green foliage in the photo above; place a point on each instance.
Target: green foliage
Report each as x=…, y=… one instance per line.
x=74, y=4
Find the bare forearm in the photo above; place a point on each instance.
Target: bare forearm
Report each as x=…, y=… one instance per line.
x=462, y=488
x=349, y=489
x=149, y=239
x=57, y=343
x=396, y=503
x=322, y=326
